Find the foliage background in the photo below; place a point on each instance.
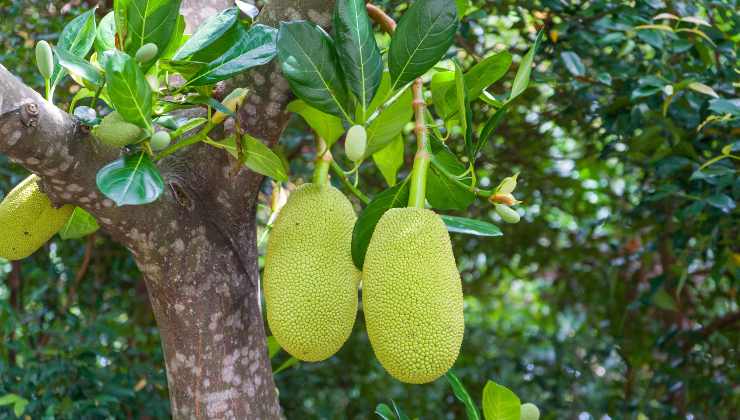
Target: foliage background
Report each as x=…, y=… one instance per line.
x=615, y=297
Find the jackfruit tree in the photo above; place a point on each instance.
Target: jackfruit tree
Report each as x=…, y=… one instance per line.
x=175, y=125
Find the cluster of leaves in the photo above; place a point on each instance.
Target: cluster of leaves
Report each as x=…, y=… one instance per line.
x=107, y=60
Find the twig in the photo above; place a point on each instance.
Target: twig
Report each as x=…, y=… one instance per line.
x=381, y=18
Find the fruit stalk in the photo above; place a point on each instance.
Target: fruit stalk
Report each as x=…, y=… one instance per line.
x=323, y=163
x=421, y=160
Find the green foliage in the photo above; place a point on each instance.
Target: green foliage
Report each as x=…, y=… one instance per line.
x=131, y=180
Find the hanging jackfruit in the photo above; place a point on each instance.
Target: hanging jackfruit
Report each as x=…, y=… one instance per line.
x=412, y=296
x=310, y=281
x=28, y=220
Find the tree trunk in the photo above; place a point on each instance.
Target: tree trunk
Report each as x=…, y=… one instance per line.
x=196, y=246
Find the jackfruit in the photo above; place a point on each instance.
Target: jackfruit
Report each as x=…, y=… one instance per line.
x=412, y=296
x=28, y=220
x=114, y=131
x=310, y=280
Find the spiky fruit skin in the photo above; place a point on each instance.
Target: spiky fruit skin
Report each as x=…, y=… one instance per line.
x=412, y=296
x=28, y=220
x=310, y=281
x=114, y=131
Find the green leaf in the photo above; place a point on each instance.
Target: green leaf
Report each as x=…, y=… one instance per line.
x=702, y=88
x=442, y=193
x=399, y=413
x=188, y=125
x=381, y=95
x=462, y=395
x=423, y=35
x=489, y=71
x=521, y=80
x=490, y=127
x=176, y=39
x=464, y=113
x=471, y=227
x=105, y=36
x=721, y=201
x=444, y=93
x=462, y=7
x=9, y=399
x=310, y=64
x=213, y=38
x=328, y=127
x=389, y=123
x=288, y=363
x=131, y=180
x=273, y=347
x=79, y=225
x=257, y=157
x=358, y=52
x=384, y=412
x=120, y=12
x=573, y=63
x=390, y=159
x=127, y=88
x=499, y=403
x=397, y=196
x=150, y=21
x=20, y=407
x=77, y=38
x=725, y=106
x=78, y=66
x=255, y=48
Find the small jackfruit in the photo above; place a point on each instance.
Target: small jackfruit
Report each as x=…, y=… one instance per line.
x=28, y=220
x=310, y=281
x=114, y=131
x=412, y=296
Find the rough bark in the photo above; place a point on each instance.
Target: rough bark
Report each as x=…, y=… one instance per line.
x=195, y=246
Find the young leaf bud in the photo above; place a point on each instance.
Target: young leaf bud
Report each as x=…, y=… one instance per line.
x=508, y=185
x=355, y=143
x=146, y=53
x=44, y=59
x=508, y=214
x=232, y=101
x=160, y=140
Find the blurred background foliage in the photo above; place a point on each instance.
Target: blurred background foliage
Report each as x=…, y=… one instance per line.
x=615, y=297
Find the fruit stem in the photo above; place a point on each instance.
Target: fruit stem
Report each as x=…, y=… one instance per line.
x=417, y=196
x=323, y=163
x=339, y=172
x=47, y=89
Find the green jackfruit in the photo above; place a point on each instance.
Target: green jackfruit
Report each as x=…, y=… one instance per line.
x=412, y=296
x=117, y=132
x=310, y=281
x=28, y=220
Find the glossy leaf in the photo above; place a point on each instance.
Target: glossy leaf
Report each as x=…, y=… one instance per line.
x=78, y=66
x=176, y=40
x=77, y=38
x=255, y=48
x=573, y=63
x=389, y=123
x=213, y=38
x=423, y=36
x=444, y=95
x=310, y=64
x=384, y=412
x=131, y=180
x=150, y=21
x=397, y=196
x=328, y=127
x=257, y=157
x=489, y=71
x=462, y=395
x=499, y=403
x=128, y=89
x=521, y=80
x=470, y=226
x=443, y=193
x=105, y=37
x=490, y=128
x=79, y=225
x=390, y=159
x=358, y=52
x=188, y=125
x=464, y=113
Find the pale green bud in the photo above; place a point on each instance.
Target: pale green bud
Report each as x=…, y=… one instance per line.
x=44, y=59
x=160, y=140
x=147, y=52
x=355, y=144
x=530, y=412
x=508, y=214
